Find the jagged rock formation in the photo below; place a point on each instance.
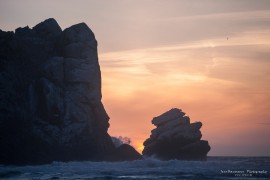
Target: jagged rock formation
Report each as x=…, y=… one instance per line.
x=176, y=138
x=50, y=96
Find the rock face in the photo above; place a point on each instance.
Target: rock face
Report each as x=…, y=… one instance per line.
x=50, y=96
x=176, y=138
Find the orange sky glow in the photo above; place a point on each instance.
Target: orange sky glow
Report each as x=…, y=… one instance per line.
x=211, y=59
x=211, y=80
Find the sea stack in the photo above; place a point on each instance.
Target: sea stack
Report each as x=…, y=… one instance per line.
x=50, y=96
x=176, y=138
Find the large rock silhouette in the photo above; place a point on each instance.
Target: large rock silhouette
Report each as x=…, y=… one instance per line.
x=50, y=96
x=176, y=138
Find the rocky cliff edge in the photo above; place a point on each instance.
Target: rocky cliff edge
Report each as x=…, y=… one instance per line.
x=50, y=96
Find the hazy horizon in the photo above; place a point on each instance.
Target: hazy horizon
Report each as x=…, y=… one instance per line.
x=209, y=58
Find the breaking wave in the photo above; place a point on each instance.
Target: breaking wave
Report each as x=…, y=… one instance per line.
x=150, y=168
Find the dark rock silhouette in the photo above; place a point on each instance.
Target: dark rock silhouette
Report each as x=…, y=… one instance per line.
x=124, y=152
x=176, y=138
x=50, y=96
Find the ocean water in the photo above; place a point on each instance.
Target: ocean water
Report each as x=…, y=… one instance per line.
x=213, y=168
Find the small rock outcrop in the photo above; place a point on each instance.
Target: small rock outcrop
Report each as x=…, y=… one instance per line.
x=50, y=96
x=124, y=152
x=176, y=138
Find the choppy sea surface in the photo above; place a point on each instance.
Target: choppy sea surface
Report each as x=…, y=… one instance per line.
x=213, y=168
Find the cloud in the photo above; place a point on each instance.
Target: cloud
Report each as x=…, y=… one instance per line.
x=241, y=58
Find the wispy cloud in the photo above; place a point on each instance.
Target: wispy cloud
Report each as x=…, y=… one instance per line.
x=197, y=57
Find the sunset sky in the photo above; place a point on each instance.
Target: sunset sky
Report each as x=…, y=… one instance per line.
x=210, y=58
